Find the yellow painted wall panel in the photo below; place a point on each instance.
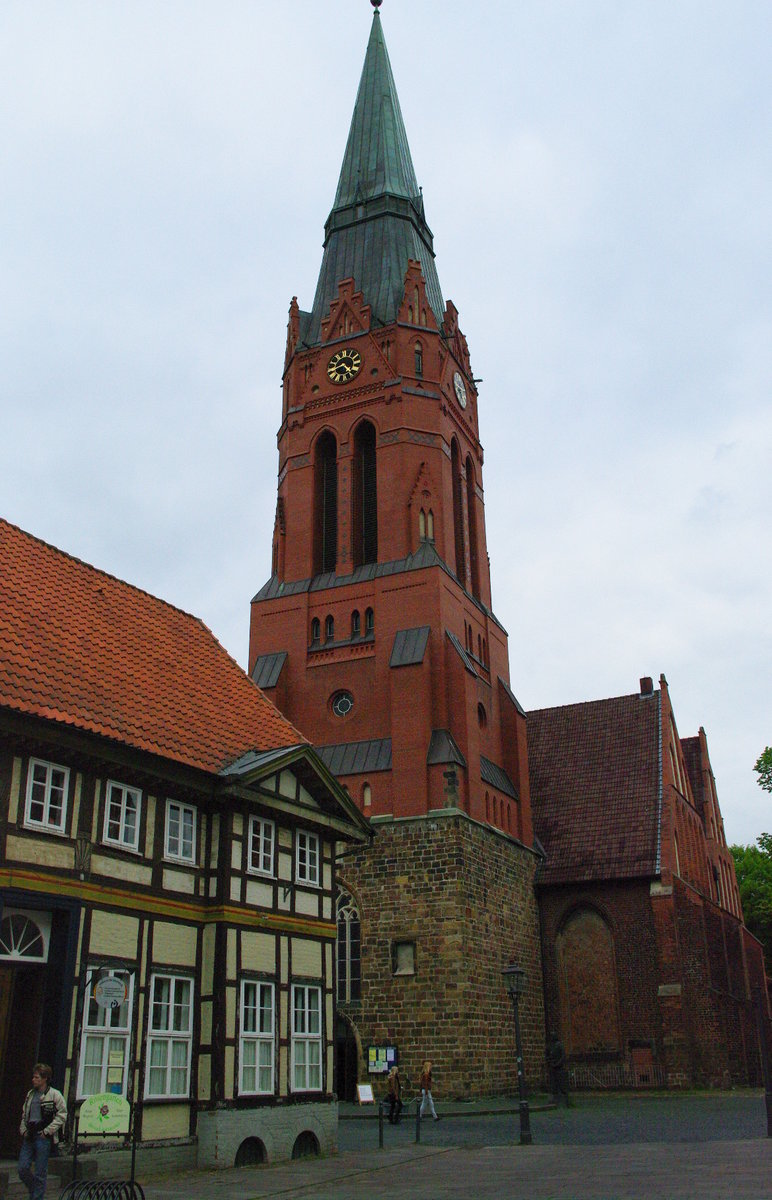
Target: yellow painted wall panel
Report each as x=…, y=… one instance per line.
x=204, y=1076
x=206, y=1022
x=121, y=868
x=48, y=851
x=150, y=825
x=179, y=881
x=258, y=951
x=207, y=959
x=77, y=790
x=259, y=894
x=165, y=1121
x=174, y=944
x=95, y=816
x=283, y=961
x=230, y=1012
x=236, y=855
x=230, y=1060
x=307, y=903
x=13, y=799
x=238, y=824
x=306, y=958
x=231, y=953
x=113, y=934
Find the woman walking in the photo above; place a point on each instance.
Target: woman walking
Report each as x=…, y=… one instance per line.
x=427, y=1103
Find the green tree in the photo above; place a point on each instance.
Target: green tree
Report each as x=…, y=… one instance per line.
x=753, y=865
x=763, y=768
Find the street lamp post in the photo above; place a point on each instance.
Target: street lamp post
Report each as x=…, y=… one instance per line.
x=514, y=981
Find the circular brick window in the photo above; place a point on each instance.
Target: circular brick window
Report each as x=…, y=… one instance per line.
x=342, y=703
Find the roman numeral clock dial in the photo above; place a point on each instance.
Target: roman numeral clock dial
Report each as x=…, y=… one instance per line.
x=344, y=365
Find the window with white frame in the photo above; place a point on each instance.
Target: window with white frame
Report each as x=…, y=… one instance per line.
x=170, y=1036
x=307, y=858
x=104, y=1055
x=256, y=1046
x=180, y=831
x=46, y=806
x=306, y=1038
x=122, y=808
x=262, y=838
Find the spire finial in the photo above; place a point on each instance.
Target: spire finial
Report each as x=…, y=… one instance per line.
x=376, y=5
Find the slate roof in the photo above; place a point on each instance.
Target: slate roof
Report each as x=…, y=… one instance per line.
x=268, y=668
x=357, y=758
x=83, y=648
x=409, y=646
x=377, y=222
x=595, y=772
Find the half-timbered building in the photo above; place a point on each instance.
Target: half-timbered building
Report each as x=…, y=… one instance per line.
x=164, y=827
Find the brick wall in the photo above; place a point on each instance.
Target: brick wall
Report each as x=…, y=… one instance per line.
x=463, y=893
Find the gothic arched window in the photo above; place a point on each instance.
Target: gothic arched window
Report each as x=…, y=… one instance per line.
x=587, y=981
x=365, y=496
x=349, y=940
x=419, y=359
x=316, y=629
x=356, y=626
x=329, y=629
x=369, y=622
x=325, y=504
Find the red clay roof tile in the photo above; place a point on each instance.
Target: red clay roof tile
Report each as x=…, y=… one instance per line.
x=84, y=648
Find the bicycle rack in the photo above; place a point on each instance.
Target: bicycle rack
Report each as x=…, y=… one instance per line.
x=102, y=1189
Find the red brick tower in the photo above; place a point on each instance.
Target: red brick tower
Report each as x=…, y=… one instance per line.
x=375, y=633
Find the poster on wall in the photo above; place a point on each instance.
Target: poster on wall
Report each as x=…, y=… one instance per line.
x=380, y=1059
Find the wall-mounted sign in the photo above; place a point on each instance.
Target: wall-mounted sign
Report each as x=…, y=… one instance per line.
x=380, y=1059
x=110, y=991
x=104, y=1113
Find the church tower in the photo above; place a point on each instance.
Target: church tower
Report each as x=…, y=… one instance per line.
x=376, y=637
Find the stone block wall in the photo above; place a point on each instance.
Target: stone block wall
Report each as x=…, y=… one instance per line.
x=462, y=894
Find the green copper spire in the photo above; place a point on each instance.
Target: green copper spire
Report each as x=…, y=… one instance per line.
x=377, y=221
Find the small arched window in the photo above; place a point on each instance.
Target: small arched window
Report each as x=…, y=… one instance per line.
x=367, y=795
x=422, y=525
x=329, y=628
x=430, y=525
x=479, y=648
x=369, y=622
x=356, y=627
x=419, y=359
x=487, y=807
x=482, y=716
x=316, y=629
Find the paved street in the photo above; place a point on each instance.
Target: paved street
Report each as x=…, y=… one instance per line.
x=693, y=1147
x=630, y=1148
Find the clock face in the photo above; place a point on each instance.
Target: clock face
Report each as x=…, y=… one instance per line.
x=460, y=388
x=344, y=365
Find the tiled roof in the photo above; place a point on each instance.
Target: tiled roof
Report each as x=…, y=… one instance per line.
x=595, y=787
x=83, y=648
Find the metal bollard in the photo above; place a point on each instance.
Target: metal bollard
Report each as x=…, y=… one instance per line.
x=380, y=1124
x=418, y=1100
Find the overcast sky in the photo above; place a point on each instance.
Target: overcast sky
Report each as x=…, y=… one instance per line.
x=598, y=178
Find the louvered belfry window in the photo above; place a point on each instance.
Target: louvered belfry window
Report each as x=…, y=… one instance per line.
x=365, y=525
x=325, y=504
